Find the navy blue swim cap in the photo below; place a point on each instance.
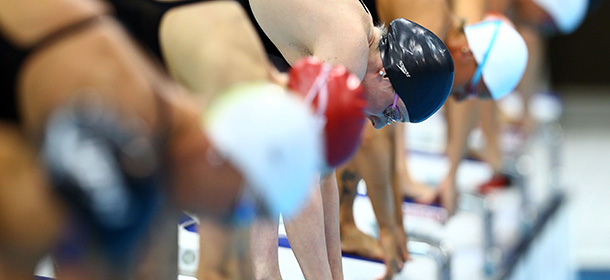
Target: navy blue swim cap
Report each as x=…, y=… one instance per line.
x=419, y=67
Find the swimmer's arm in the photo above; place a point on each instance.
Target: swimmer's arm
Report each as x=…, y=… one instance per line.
x=389, y=10
x=472, y=10
x=346, y=50
x=210, y=46
x=330, y=202
x=432, y=14
x=333, y=31
x=25, y=23
x=342, y=39
x=461, y=118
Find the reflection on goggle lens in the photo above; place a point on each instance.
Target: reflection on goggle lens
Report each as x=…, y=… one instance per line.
x=392, y=113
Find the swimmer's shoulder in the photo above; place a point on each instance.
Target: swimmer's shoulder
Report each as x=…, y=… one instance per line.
x=25, y=22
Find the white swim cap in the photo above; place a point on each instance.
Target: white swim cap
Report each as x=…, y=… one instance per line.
x=567, y=14
x=272, y=138
x=500, y=52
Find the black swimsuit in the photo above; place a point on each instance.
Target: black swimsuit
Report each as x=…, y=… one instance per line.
x=143, y=19
x=371, y=8
x=12, y=58
x=273, y=52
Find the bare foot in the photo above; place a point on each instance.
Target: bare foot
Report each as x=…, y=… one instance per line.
x=401, y=237
x=394, y=251
x=354, y=241
x=418, y=192
x=446, y=196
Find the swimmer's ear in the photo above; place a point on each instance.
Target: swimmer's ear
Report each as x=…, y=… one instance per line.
x=383, y=73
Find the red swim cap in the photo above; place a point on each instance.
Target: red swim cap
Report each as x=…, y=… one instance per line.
x=338, y=97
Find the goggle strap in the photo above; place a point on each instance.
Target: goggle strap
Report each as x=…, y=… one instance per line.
x=477, y=75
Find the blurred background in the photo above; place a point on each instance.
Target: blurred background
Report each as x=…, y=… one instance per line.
x=580, y=65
